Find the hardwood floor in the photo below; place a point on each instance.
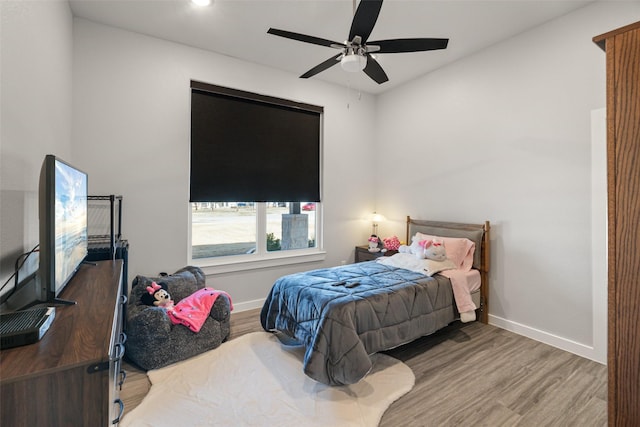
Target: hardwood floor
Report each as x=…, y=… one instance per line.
x=472, y=374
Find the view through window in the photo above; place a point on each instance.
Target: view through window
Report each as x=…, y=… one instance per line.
x=239, y=228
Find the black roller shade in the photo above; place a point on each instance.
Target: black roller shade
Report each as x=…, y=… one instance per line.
x=247, y=147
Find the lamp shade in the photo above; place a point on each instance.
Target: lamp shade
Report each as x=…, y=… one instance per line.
x=376, y=218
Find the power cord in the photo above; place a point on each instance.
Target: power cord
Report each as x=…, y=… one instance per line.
x=17, y=269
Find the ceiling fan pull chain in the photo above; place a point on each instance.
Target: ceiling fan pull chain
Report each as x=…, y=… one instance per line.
x=349, y=90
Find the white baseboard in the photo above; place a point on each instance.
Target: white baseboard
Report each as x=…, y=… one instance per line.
x=565, y=344
x=247, y=305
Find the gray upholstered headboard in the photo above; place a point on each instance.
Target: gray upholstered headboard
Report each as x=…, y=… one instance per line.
x=477, y=233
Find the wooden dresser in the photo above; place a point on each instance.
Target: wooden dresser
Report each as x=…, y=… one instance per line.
x=622, y=47
x=72, y=376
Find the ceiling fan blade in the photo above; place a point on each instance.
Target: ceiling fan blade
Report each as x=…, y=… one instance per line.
x=365, y=19
x=375, y=71
x=305, y=38
x=408, y=45
x=321, y=67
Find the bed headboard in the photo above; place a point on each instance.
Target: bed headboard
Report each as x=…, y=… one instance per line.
x=477, y=233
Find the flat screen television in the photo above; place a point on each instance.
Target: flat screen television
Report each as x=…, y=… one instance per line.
x=63, y=224
x=63, y=246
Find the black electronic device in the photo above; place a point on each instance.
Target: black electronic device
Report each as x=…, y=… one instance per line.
x=25, y=326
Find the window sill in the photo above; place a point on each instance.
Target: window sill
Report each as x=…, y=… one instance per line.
x=231, y=264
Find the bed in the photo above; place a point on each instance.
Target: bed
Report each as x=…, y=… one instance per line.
x=344, y=314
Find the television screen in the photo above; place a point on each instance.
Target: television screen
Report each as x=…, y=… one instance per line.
x=70, y=222
x=63, y=225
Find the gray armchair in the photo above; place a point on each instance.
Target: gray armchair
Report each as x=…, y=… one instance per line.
x=153, y=341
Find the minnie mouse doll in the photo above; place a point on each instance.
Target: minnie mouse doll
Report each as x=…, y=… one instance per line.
x=157, y=295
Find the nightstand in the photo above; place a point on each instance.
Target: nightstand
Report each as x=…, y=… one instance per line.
x=363, y=254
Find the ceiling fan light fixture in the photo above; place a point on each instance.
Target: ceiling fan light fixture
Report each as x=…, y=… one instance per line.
x=353, y=63
x=201, y=2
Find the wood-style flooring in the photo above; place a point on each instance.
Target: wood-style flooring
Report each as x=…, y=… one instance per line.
x=472, y=375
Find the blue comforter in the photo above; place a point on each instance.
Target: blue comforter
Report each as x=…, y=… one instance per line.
x=343, y=314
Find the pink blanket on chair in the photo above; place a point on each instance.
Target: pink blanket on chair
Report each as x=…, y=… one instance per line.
x=193, y=310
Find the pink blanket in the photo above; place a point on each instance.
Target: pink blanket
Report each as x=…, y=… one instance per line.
x=463, y=279
x=463, y=284
x=193, y=310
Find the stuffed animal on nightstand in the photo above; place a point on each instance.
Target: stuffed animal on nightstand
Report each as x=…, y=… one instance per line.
x=392, y=243
x=374, y=243
x=157, y=295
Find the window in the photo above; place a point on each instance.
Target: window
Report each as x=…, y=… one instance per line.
x=222, y=229
x=231, y=228
x=261, y=150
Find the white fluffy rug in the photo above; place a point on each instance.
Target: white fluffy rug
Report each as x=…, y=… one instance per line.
x=254, y=380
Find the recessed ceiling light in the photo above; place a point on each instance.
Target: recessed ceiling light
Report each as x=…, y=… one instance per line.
x=201, y=2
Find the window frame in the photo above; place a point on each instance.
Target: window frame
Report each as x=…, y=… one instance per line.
x=261, y=258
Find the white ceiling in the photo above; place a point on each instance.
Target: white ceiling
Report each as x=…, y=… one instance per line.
x=238, y=28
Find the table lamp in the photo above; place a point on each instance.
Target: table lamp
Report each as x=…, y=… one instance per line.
x=376, y=218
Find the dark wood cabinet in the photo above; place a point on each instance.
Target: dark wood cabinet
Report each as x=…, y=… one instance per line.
x=72, y=376
x=622, y=47
x=363, y=254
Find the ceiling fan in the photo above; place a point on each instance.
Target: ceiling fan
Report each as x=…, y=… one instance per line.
x=356, y=52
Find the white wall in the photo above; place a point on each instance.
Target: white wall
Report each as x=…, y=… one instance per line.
x=131, y=133
x=35, y=112
x=505, y=136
